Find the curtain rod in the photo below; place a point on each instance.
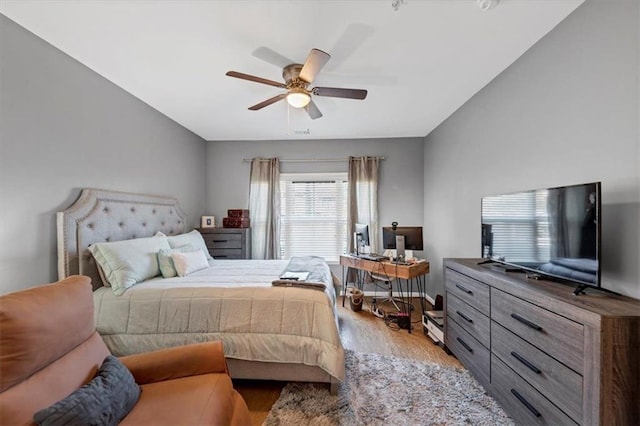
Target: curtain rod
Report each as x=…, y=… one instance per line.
x=308, y=160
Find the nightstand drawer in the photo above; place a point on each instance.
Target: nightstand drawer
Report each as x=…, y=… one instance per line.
x=521, y=400
x=558, y=336
x=221, y=253
x=468, y=350
x=469, y=318
x=551, y=378
x=221, y=241
x=469, y=290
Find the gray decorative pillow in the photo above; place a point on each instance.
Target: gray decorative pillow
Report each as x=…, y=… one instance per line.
x=167, y=267
x=105, y=400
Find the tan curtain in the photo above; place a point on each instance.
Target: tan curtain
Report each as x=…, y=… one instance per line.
x=264, y=208
x=363, y=198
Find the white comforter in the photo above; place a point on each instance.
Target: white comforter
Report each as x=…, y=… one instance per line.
x=232, y=301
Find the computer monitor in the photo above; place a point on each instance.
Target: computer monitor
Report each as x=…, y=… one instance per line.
x=412, y=237
x=363, y=231
x=360, y=237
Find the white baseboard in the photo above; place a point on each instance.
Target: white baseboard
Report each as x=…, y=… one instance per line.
x=396, y=294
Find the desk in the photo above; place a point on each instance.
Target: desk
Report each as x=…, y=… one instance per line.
x=416, y=271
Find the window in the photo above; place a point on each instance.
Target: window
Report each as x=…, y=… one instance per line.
x=313, y=218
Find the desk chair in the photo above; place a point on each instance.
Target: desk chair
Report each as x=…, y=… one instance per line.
x=388, y=282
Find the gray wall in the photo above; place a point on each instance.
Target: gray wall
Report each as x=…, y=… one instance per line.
x=63, y=127
x=401, y=191
x=566, y=112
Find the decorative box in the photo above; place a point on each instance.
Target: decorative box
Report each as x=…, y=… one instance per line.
x=238, y=213
x=235, y=222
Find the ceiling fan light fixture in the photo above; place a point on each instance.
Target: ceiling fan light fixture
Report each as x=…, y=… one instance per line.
x=298, y=98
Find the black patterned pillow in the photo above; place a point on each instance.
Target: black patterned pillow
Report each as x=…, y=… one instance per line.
x=105, y=400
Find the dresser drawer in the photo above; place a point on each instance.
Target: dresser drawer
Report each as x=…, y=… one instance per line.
x=525, y=404
x=468, y=350
x=219, y=253
x=469, y=318
x=552, y=379
x=222, y=241
x=471, y=291
x=558, y=336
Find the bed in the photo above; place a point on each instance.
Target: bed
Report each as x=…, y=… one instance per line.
x=287, y=332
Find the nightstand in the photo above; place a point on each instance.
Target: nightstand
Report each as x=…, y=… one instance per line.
x=227, y=243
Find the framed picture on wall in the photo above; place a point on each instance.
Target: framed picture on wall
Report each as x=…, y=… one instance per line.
x=208, y=222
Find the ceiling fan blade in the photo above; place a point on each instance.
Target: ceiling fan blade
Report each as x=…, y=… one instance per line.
x=268, y=102
x=336, y=92
x=312, y=110
x=272, y=57
x=254, y=79
x=314, y=63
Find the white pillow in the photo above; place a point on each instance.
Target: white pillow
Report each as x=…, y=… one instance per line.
x=167, y=268
x=125, y=263
x=193, y=238
x=189, y=262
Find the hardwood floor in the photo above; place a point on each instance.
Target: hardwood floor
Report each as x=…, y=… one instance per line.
x=361, y=332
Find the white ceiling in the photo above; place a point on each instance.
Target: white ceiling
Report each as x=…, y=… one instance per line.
x=419, y=63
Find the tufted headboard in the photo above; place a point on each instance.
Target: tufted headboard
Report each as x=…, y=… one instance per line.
x=99, y=215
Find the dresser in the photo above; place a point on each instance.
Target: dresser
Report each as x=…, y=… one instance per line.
x=228, y=243
x=549, y=357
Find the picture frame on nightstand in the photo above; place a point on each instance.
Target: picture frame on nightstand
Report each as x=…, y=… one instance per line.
x=208, y=222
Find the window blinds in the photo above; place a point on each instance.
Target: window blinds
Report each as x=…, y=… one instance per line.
x=313, y=217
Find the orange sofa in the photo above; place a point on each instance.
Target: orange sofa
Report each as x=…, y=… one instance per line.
x=49, y=348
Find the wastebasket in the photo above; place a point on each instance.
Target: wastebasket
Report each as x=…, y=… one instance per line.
x=356, y=299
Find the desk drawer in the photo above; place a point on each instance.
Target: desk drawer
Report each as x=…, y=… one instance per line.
x=222, y=241
x=469, y=318
x=552, y=379
x=469, y=290
x=521, y=400
x=468, y=350
x=558, y=336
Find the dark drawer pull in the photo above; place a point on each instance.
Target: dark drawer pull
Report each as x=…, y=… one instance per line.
x=467, y=347
x=526, y=403
x=220, y=256
x=526, y=322
x=464, y=317
x=220, y=241
x=526, y=363
x=463, y=288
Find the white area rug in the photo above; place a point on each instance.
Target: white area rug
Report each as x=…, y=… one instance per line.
x=385, y=390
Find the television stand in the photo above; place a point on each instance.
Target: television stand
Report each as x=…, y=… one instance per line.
x=570, y=360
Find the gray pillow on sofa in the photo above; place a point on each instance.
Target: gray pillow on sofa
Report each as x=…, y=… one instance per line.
x=105, y=400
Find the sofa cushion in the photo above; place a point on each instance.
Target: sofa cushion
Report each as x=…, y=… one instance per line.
x=41, y=324
x=193, y=400
x=105, y=400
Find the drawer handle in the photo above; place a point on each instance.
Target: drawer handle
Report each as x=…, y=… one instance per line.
x=220, y=256
x=530, y=366
x=220, y=241
x=464, y=317
x=463, y=288
x=526, y=403
x=526, y=322
x=467, y=347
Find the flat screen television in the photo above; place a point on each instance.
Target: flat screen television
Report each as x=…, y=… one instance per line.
x=553, y=232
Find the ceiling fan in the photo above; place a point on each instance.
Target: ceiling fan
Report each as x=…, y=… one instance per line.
x=297, y=79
